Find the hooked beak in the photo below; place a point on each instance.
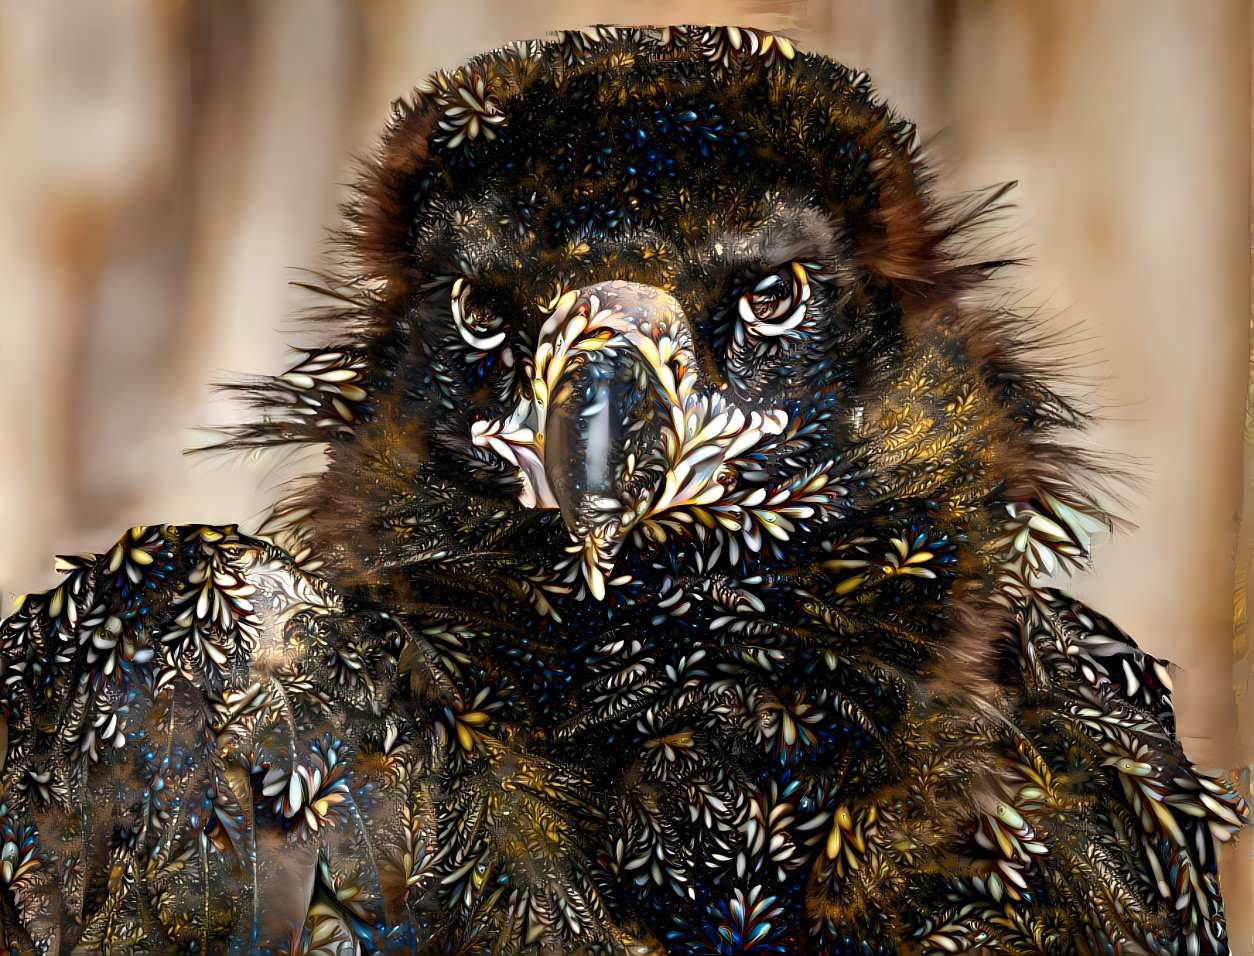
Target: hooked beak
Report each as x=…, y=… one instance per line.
x=614, y=432
x=620, y=350
x=601, y=405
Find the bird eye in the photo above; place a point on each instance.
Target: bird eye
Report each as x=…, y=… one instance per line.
x=776, y=305
x=477, y=328
x=769, y=320
x=770, y=298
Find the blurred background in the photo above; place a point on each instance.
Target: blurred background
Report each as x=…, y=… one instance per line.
x=167, y=167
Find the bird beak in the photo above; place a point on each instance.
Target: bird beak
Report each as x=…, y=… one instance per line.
x=619, y=352
x=613, y=432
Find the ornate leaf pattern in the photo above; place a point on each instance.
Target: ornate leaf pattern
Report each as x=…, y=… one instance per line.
x=783, y=680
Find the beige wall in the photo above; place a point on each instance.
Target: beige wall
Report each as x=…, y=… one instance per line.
x=165, y=167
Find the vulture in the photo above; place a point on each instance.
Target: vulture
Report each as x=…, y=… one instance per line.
x=673, y=583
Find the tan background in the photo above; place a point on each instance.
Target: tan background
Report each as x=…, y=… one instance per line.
x=166, y=166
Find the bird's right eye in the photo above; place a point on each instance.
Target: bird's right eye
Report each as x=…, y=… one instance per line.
x=478, y=330
x=479, y=344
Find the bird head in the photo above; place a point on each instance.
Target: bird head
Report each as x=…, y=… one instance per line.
x=625, y=308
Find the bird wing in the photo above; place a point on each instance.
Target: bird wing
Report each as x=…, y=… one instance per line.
x=176, y=766
x=1087, y=830
x=1157, y=812
x=205, y=744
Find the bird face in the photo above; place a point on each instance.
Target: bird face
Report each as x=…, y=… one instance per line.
x=656, y=306
x=660, y=390
x=617, y=427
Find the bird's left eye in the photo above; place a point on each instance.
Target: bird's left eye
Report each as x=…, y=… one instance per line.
x=770, y=298
x=776, y=305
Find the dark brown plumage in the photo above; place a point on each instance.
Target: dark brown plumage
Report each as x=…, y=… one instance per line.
x=672, y=586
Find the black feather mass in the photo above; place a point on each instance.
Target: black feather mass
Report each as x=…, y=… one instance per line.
x=673, y=585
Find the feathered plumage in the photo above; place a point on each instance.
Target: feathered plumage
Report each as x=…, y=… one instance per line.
x=672, y=585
